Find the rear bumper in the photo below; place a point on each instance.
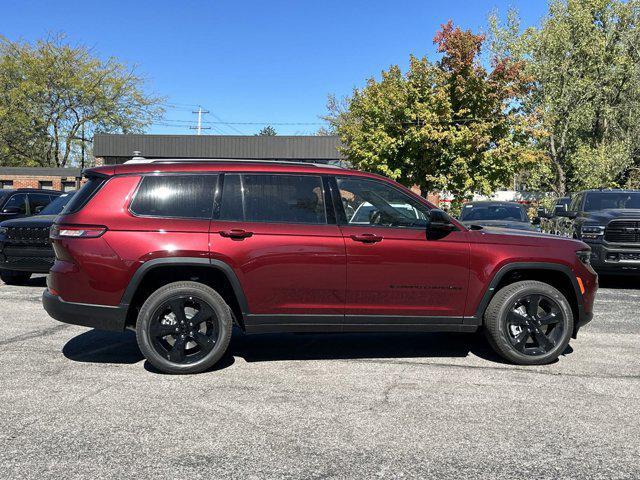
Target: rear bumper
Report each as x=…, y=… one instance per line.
x=100, y=317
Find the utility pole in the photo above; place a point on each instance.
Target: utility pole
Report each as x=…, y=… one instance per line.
x=82, y=149
x=199, y=128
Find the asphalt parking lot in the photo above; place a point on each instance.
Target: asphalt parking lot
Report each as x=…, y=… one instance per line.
x=78, y=403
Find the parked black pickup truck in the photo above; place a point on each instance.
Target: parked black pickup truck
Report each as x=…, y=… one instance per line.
x=24, y=243
x=609, y=222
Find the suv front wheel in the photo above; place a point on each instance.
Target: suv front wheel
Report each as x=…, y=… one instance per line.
x=184, y=327
x=529, y=323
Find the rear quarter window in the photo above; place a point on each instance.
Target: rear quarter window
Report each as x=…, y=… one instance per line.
x=175, y=196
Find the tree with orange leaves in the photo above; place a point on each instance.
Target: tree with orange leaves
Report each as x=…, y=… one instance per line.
x=446, y=125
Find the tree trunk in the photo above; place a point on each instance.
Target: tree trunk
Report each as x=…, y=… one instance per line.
x=561, y=177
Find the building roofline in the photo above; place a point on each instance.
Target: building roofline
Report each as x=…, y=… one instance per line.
x=41, y=171
x=237, y=147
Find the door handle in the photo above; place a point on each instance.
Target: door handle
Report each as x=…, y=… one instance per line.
x=236, y=233
x=366, y=238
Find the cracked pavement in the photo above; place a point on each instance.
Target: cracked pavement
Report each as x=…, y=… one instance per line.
x=79, y=403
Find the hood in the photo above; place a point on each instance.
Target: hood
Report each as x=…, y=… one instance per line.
x=605, y=216
x=530, y=238
x=35, y=221
x=502, y=224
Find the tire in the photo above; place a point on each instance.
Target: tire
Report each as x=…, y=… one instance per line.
x=514, y=325
x=163, y=333
x=13, y=277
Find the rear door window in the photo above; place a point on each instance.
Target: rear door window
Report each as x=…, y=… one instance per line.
x=277, y=198
x=175, y=196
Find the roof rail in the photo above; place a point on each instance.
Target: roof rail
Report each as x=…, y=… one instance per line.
x=230, y=160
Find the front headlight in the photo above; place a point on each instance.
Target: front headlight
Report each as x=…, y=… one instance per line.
x=592, y=231
x=584, y=256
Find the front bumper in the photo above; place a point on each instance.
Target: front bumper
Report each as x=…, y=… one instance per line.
x=608, y=258
x=27, y=259
x=101, y=317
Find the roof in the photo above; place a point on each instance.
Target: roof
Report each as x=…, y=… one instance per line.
x=197, y=166
x=41, y=171
x=248, y=147
x=608, y=190
x=27, y=190
x=493, y=202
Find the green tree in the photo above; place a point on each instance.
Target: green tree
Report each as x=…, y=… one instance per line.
x=447, y=125
x=585, y=62
x=54, y=96
x=267, y=131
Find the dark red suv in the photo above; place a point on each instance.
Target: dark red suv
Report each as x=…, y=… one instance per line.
x=182, y=250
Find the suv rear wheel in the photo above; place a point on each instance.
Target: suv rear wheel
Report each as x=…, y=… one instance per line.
x=12, y=277
x=529, y=323
x=184, y=327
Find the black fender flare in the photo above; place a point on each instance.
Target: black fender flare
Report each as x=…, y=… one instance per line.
x=504, y=270
x=225, y=268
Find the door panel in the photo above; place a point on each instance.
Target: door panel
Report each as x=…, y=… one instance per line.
x=395, y=274
x=285, y=269
x=404, y=274
x=276, y=232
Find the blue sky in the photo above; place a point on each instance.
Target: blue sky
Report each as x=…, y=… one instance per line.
x=253, y=61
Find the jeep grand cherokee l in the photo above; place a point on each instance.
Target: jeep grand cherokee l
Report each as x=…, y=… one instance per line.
x=182, y=250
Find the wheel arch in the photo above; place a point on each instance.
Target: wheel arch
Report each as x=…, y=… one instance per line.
x=155, y=273
x=557, y=275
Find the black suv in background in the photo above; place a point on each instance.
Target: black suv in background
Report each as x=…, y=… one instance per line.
x=24, y=202
x=609, y=222
x=25, y=247
x=496, y=214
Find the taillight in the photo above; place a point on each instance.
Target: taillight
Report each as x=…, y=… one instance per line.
x=76, y=231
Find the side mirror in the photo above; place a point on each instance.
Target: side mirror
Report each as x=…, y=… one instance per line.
x=12, y=210
x=38, y=209
x=535, y=221
x=439, y=221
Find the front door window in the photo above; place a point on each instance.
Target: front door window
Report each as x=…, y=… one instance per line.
x=371, y=203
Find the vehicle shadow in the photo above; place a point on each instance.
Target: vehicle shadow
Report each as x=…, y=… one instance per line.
x=622, y=282
x=98, y=346
x=95, y=346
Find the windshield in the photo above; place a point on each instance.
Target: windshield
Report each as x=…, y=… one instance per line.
x=605, y=200
x=511, y=213
x=55, y=207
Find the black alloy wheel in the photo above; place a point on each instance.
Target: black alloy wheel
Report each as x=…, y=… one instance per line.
x=535, y=324
x=529, y=322
x=184, y=329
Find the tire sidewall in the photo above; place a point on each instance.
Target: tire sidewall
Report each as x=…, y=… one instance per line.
x=162, y=295
x=14, y=277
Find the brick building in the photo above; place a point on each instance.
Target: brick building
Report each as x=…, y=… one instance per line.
x=64, y=179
